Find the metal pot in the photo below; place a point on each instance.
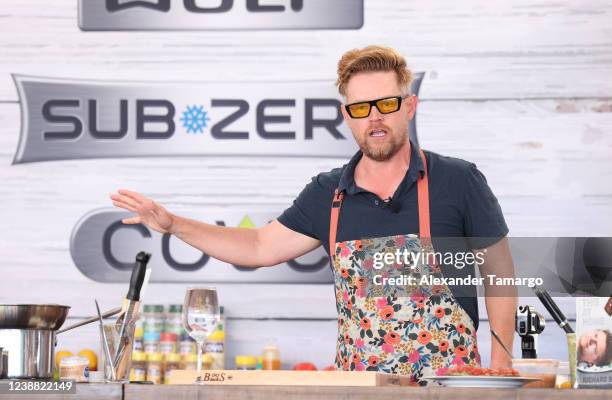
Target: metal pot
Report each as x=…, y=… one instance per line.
x=27, y=332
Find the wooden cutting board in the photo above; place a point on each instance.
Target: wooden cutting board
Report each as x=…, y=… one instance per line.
x=289, y=378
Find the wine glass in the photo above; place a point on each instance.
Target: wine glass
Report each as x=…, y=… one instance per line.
x=200, y=317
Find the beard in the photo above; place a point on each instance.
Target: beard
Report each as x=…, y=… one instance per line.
x=381, y=151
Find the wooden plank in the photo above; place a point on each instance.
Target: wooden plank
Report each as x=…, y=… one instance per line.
x=288, y=378
x=471, y=50
x=184, y=392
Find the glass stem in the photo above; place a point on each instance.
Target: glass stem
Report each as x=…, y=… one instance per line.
x=200, y=350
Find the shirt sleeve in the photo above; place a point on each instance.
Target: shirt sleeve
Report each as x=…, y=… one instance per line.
x=483, y=219
x=299, y=216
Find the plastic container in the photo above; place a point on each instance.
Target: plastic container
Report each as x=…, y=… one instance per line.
x=138, y=372
x=270, y=358
x=246, y=362
x=154, y=368
x=545, y=369
x=563, y=376
x=74, y=368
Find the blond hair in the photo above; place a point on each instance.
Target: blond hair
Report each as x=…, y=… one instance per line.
x=369, y=59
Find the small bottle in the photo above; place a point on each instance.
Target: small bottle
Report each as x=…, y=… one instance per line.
x=139, y=337
x=153, y=323
x=173, y=361
x=174, y=321
x=215, y=348
x=138, y=371
x=246, y=362
x=154, y=368
x=271, y=358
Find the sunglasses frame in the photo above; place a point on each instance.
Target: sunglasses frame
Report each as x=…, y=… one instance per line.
x=372, y=103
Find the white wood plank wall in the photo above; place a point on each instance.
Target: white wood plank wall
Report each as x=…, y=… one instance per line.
x=522, y=88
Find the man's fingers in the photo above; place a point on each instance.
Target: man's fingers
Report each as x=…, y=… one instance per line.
x=124, y=199
x=136, y=196
x=133, y=220
x=124, y=205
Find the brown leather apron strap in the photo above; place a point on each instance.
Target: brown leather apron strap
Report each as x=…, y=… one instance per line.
x=333, y=221
x=423, y=195
x=423, y=200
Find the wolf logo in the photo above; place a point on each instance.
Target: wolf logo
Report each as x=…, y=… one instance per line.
x=118, y=5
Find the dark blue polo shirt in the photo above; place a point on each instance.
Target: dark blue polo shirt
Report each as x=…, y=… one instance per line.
x=461, y=205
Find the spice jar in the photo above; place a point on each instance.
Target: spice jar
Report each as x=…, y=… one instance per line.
x=138, y=371
x=74, y=368
x=154, y=367
x=271, y=358
x=173, y=361
x=246, y=362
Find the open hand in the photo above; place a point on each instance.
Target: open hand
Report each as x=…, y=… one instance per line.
x=148, y=211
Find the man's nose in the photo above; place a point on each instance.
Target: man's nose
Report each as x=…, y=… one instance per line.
x=375, y=115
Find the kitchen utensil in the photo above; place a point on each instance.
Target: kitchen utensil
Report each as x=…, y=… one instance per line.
x=122, y=347
x=105, y=314
x=494, y=334
x=27, y=333
x=553, y=309
x=32, y=316
x=544, y=369
x=467, y=381
x=560, y=319
x=31, y=352
x=105, y=343
x=131, y=302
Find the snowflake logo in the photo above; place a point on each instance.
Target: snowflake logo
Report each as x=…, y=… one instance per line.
x=195, y=119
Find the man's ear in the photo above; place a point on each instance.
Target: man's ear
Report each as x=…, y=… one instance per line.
x=344, y=113
x=411, y=102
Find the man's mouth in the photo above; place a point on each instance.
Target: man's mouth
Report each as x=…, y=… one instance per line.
x=378, y=133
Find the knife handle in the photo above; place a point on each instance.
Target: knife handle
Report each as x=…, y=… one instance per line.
x=138, y=275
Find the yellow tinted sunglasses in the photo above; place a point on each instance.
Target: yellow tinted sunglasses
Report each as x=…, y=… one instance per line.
x=385, y=105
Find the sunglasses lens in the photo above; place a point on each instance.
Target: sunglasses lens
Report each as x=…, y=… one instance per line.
x=388, y=105
x=359, y=110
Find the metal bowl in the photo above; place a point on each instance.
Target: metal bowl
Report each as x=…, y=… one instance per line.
x=32, y=316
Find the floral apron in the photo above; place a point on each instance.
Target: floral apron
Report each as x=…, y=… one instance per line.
x=419, y=330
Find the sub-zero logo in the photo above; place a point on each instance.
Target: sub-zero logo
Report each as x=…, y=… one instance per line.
x=103, y=248
x=67, y=119
x=219, y=14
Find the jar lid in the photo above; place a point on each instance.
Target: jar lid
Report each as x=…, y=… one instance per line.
x=173, y=357
x=248, y=361
x=155, y=357
x=176, y=308
x=153, y=308
x=216, y=336
x=167, y=337
x=151, y=336
x=73, y=360
x=139, y=356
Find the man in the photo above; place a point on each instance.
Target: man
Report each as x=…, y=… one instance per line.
x=595, y=347
x=378, y=203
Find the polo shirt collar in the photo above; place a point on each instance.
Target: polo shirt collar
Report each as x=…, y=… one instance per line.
x=347, y=179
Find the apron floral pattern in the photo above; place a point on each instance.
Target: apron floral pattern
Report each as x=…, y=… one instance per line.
x=415, y=330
